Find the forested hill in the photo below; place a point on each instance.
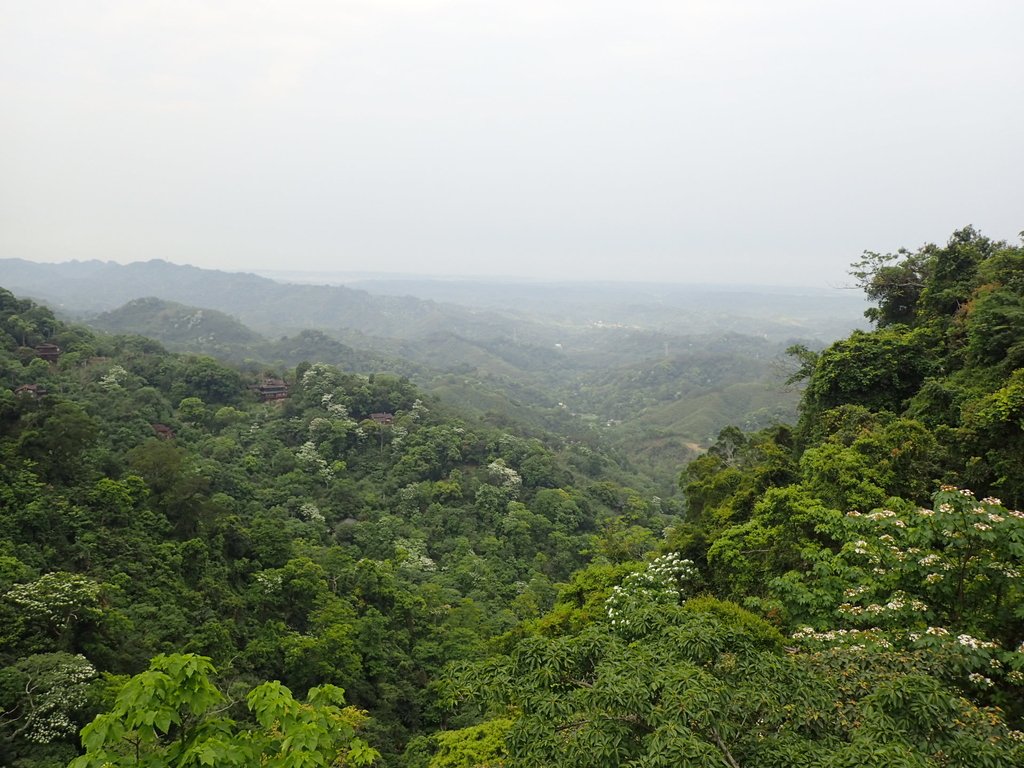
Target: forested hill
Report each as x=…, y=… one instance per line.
x=846, y=591
x=265, y=305
x=185, y=328
x=657, y=370
x=352, y=533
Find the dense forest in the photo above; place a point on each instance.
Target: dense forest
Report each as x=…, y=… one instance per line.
x=203, y=563
x=654, y=372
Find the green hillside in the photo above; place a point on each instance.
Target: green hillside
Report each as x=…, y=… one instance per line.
x=175, y=323
x=203, y=564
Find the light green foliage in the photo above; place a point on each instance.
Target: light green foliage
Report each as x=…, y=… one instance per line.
x=789, y=526
x=476, y=746
x=193, y=410
x=957, y=564
x=865, y=458
x=880, y=370
x=173, y=715
x=938, y=587
x=963, y=558
x=723, y=485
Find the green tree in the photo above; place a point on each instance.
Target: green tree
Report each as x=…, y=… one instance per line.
x=42, y=697
x=172, y=716
x=708, y=684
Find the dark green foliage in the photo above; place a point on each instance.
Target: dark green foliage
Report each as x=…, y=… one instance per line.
x=879, y=370
x=710, y=684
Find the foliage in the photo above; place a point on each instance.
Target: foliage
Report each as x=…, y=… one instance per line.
x=815, y=601
x=42, y=695
x=172, y=715
x=713, y=687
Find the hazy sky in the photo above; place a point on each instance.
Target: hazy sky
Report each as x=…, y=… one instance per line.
x=754, y=141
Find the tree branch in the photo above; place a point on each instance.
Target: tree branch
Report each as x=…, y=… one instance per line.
x=724, y=749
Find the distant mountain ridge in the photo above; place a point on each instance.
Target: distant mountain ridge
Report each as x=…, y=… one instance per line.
x=194, y=329
x=263, y=304
x=658, y=370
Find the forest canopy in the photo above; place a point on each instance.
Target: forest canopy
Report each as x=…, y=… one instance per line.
x=202, y=564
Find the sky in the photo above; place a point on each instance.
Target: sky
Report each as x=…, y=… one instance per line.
x=704, y=141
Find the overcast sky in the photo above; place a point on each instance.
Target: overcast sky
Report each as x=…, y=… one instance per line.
x=691, y=141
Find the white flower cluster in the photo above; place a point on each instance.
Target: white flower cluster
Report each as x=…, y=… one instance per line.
x=311, y=513
x=414, y=555
x=319, y=379
x=398, y=434
x=308, y=455
x=320, y=427
x=270, y=581
x=979, y=679
x=880, y=514
x=843, y=636
x=663, y=581
x=974, y=643
x=419, y=410
x=67, y=687
x=504, y=475
x=894, y=605
x=114, y=379
x=56, y=596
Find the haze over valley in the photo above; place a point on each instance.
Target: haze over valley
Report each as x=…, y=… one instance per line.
x=656, y=370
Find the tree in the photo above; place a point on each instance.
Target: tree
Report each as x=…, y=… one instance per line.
x=894, y=281
x=709, y=684
x=57, y=604
x=41, y=697
x=173, y=716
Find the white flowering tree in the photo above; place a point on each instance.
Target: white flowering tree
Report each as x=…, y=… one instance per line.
x=666, y=580
x=961, y=561
x=42, y=697
x=707, y=684
x=309, y=458
x=942, y=584
x=505, y=477
x=55, y=604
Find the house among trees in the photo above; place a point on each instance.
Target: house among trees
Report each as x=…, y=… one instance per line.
x=163, y=431
x=48, y=352
x=30, y=390
x=384, y=419
x=270, y=390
